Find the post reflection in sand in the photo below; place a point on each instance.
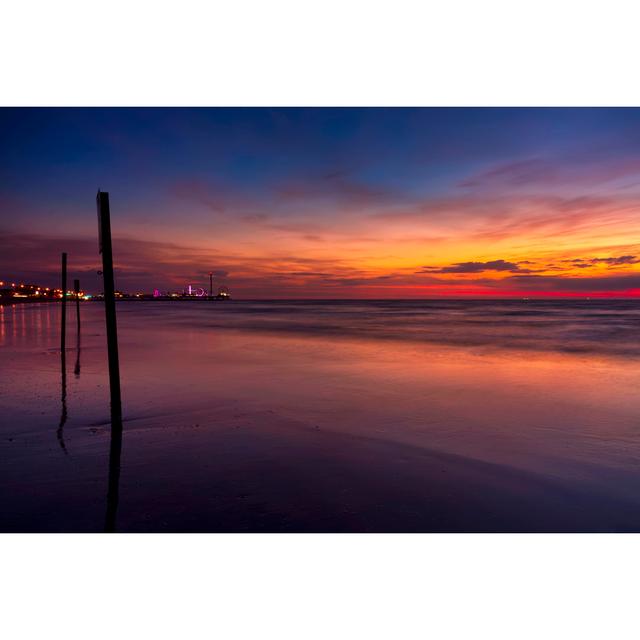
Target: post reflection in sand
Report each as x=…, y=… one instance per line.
x=63, y=401
x=115, y=453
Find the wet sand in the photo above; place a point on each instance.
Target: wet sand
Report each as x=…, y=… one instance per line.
x=234, y=429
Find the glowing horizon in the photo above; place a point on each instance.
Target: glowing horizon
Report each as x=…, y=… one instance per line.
x=329, y=203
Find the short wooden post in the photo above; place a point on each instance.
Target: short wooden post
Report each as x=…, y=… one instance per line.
x=63, y=355
x=63, y=318
x=76, y=290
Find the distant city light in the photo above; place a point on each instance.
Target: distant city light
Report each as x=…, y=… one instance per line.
x=41, y=294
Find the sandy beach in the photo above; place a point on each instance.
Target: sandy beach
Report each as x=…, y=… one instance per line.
x=232, y=428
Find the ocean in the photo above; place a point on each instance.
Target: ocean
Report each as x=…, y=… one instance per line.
x=345, y=416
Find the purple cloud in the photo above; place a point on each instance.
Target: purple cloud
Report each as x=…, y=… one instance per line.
x=617, y=261
x=475, y=267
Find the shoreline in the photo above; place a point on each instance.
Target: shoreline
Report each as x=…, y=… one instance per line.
x=260, y=472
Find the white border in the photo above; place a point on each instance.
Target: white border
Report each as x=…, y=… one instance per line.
x=320, y=52
x=319, y=587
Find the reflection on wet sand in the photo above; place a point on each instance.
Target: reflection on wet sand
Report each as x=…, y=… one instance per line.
x=115, y=452
x=63, y=400
x=231, y=428
x=63, y=379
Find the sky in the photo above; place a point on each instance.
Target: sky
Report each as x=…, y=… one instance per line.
x=327, y=202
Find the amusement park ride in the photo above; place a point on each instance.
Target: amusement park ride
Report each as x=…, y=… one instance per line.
x=199, y=292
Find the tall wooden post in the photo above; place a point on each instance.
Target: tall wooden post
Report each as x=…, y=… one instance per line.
x=76, y=290
x=63, y=318
x=115, y=447
x=104, y=230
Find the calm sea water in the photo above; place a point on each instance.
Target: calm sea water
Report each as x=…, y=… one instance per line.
x=604, y=327
x=326, y=416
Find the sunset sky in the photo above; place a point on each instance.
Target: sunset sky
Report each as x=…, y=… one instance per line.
x=327, y=203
